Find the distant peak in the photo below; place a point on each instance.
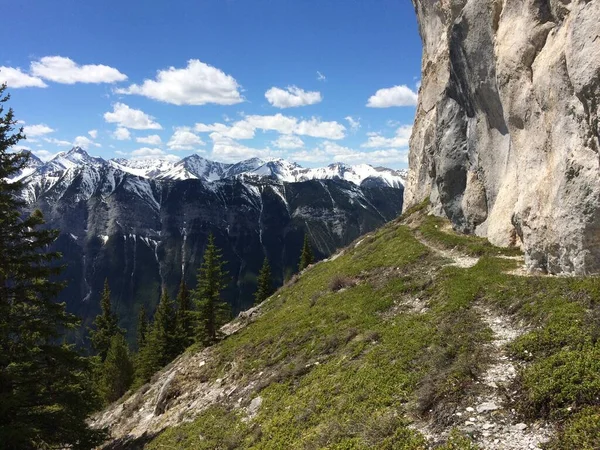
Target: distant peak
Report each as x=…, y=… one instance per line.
x=77, y=150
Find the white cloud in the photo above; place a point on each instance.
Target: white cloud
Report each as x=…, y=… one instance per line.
x=292, y=97
x=399, y=140
x=58, y=142
x=321, y=77
x=122, y=134
x=239, y=130
x=153, y=139
x=394, y=96
x=290, y=125
x=119, y=152
x=354, y=123
x=147, y=153
x=84, y=142
x=197, y=84
x=15, y=78
x=44, y=155
x=228, y=150
x=131, y=118
x=93, y=134
x=64, y=70
x=287, y=141
x=278, y=122
x=184, y=139
x=318, y=129
x=37, y=130
x=331, y=151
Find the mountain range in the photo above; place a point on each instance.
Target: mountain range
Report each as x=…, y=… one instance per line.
x=143, y=223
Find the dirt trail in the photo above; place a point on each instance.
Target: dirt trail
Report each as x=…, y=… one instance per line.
x=488, y=420
x=458, y=259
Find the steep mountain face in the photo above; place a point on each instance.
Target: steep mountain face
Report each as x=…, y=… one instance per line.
x=506, y=138
x=145, y=232
x=34, y=163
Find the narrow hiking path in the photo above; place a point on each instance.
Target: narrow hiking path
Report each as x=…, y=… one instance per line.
x=458, y=259
x=487, y=418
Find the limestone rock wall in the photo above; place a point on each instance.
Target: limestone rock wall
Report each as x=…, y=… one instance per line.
x=506, y=138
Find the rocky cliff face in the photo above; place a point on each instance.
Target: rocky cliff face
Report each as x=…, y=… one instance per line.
x=506, y=138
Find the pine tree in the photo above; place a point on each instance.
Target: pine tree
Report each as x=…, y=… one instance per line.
x=306, y=258
x=159, y=348
x=117, y=370
x=142, y=328
x=264, y=287
x=106, y=325
x=45, y=389
x=184, y=320
x=211, y=310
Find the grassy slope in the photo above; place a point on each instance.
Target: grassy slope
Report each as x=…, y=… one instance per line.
x=348, y=368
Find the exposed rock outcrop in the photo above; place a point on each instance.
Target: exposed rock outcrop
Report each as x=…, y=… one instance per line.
x=506, y=138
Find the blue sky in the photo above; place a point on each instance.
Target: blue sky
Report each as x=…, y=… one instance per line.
x=314, y=81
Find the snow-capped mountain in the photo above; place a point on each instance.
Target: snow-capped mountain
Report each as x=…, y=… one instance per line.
x=143, y=224
x=147, y=168
x=33, y=164
x=197, y=167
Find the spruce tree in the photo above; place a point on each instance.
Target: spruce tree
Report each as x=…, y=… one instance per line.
x=106, y=325
x=159, y=348
x=264, y=287
x=184, y=321
x=45, y=389
x=117, y=370
x=211, y=310
x=306, y=258
x=142, y=328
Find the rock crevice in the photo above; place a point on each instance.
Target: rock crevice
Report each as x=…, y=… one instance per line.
x=507, y=132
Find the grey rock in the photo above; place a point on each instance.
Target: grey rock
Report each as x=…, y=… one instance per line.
x=506, y=139
x=487, y=407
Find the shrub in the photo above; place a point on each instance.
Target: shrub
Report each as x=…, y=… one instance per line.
x=339, y=282
x=582, y=432
x=568, y=379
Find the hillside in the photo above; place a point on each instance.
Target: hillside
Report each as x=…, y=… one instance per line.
x=410, y=337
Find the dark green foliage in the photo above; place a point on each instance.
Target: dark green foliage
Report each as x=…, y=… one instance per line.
x=211, y=310
x=117, y=370
x=142, y=328
x=582, y=432
x=105, y=326
x=306, y=257
x=159, y=348
x=184, y=319
x=264, y=283
x=45, y=388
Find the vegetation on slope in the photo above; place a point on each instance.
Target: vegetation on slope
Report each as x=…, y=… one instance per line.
x=357, y=347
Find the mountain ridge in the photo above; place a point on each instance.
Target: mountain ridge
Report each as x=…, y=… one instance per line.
x=198, y=167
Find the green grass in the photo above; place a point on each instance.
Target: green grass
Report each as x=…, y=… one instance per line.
x=435, y=230
x=345, y=369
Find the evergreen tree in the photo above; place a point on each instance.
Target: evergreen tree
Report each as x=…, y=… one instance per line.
x=306, y=258
x=211, y=310
x=106, y=325
x=142, y=328
x=117, y=370
x=184, y=321
x=159, y=348
x=45, y=389
x=264, y=287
